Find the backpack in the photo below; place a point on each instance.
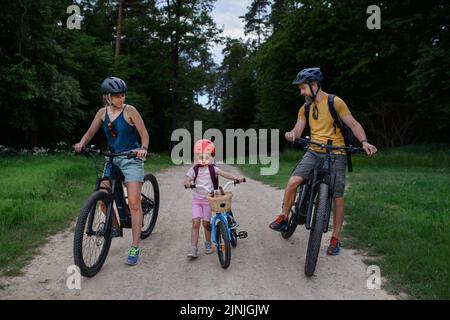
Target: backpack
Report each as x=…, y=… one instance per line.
x=212, y=173
x=346, y=131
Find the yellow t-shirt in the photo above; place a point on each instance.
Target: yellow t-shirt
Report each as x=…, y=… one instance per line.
x=321, y=122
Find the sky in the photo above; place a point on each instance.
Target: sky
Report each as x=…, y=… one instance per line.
x=226, y=15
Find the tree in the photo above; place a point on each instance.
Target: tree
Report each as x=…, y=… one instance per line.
x=256, y=19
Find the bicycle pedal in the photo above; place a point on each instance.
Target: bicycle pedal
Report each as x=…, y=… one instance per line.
x=242, y=234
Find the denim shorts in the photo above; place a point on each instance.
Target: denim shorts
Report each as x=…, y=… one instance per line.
x=132, y=169
x=312, y=160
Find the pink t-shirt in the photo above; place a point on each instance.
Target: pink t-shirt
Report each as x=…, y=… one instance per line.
x=203, y=178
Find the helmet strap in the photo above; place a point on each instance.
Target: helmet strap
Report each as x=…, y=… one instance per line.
x=107, y=101
x=314, y=94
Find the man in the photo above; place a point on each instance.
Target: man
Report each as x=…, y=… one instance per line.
x=323, y=128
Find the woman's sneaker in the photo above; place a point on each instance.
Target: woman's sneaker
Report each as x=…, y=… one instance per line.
x=133, y=256
x=193, y=254
x=208, y=247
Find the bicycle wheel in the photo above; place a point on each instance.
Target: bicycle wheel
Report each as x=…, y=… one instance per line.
x=150, y=204
x=233, y=232
x=223, y=245
x=315, y=235
x=91, y=248
x=234, y=237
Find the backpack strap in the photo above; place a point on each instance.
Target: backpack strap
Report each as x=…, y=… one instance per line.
x=196, y=168
x=214, y=178
x=344, y=129
x=307, y=109
x=212, y=174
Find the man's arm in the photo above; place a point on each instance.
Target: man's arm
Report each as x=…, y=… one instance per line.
x=359, y=133
x=297, y=131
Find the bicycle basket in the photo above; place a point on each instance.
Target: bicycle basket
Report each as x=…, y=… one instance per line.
x=220, y=203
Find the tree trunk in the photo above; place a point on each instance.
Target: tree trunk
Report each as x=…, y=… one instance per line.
x=119, y=32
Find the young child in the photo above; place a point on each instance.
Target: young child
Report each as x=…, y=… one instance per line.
x=204, y=172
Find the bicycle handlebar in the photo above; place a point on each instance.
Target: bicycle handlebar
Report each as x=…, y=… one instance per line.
x=306, y=142
x=87, y=151
x=235, y=182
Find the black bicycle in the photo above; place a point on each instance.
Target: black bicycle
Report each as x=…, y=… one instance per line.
x=93, y=231
x=313, y=203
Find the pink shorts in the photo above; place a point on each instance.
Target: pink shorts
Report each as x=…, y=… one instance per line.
x=201, y=209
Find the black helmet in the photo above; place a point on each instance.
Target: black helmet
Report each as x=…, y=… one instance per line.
x=113, y=85
x=308, y=75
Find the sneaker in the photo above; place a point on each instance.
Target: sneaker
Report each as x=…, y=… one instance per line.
x=116, y=232
x=133, y=256
x=334, y=247
x=208, y=247
x=279, y=224
x=193, y=254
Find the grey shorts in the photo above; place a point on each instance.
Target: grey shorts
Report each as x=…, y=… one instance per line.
x=312, y=160
x=132, y=169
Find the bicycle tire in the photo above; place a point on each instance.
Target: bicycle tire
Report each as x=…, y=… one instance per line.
x=234, y=238
x=78, y=246
x=223, y=245
x=147, y=230
x=315, y=234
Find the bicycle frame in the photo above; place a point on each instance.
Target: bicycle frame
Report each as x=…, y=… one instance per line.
x=322, y=175
x=116, y=195
x=222, y=216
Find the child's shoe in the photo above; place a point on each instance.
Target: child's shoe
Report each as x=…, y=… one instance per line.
x=193, y=254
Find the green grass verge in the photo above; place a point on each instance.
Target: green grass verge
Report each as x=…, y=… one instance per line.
x=398, y=211
x=41, y=195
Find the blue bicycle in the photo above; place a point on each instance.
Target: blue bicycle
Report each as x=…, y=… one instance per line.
x=224, y=225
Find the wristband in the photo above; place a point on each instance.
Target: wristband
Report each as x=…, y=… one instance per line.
x=362, y=141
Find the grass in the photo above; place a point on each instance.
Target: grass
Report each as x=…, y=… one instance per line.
x=41, y=195
x=397, y=211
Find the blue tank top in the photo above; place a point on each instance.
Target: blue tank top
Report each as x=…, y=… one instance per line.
x=126, y=138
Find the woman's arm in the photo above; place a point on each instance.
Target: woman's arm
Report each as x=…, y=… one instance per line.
x=95, y=125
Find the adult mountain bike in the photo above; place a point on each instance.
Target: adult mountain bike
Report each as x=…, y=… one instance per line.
x=313, y=203
x=93, y=231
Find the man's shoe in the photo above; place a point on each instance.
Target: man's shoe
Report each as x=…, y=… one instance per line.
x=334, y=247
x=279, y=224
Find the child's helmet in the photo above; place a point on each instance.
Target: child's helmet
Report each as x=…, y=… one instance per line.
x=205, y=146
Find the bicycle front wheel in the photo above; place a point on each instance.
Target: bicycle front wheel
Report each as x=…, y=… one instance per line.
x=150, y=204
x=223, y=245
x=92, y=238
x=315, y=235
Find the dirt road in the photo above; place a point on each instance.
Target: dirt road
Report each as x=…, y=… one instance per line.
x=263, y=266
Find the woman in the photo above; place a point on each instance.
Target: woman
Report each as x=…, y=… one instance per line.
x=122, y=124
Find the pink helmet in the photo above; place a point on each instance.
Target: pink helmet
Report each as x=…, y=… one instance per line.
x=205, y=146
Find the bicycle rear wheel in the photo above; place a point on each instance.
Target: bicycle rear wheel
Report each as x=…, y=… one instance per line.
x=223, y=245
x=91, y=245
x=315, y=235
x=150, y=204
